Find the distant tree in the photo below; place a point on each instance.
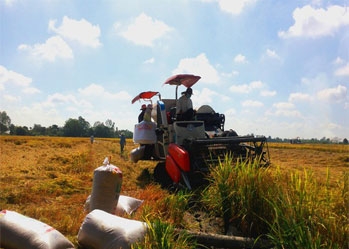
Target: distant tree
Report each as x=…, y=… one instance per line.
x=21, y=131
x=85, y=126
x=102, y=130
x=106, y=129
x=5, y=122
x=345, y=141
x=38, y=130
x=325, y=140
x=97, y=123
x=109, y=123
x=127, y=133
x=76, y=128
x=54, y=130
x=72, y=128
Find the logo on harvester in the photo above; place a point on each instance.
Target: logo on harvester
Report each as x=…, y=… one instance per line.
x=145, y=126
x=190, y=127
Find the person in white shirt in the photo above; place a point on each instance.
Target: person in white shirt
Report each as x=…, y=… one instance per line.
x=184, y=106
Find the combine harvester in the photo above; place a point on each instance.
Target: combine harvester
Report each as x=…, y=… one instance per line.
x=187, y=149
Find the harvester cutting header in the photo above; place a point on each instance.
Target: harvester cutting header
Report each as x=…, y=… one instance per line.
x=187, y=145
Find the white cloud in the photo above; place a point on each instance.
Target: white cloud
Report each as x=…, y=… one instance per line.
x=230, y=112
x=94, y=91
x=203, y=97
x=54, y=47
x=346, y=105
x=284, y=105
x=294, y=97
x=199, y=65
x=31, y=90
x=252, y=103
x=256, y=84
x=284, y=109
x=310, y=22
x=231, y=74
x=11, y=78
x=144, y=30
x=9, y=2
x=234, y=7
x=240, y=59
x=338, y=61
x=93, y=102
x=317, y=83
x=149, y=61
x=65, y=99
x=81, y=31
x=11, y=99
x=266, y=93
x=272, y=54
x=342, y=71
x=336, y=94
x=332, y=126
x=240, y=88
x=206, y=97
x=246, y=88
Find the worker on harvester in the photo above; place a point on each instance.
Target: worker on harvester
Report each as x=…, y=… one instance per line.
x=141, y=115
x=184, y=106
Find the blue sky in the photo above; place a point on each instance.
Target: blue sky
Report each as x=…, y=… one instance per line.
x=274, y=68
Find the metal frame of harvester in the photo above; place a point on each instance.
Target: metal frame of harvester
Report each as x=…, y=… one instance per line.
x=187, y=149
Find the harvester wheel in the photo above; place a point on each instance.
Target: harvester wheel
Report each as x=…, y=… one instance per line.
x=161, y=176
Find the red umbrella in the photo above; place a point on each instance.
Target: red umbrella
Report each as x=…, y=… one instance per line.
x=186, y=80
x=145, y=95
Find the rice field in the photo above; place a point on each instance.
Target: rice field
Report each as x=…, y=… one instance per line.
x=49, y=179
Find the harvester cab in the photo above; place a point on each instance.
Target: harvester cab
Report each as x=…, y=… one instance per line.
x=187, y=149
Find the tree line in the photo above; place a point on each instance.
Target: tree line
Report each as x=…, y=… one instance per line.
x=323, y=140
x=72, y=128
x=81, y=128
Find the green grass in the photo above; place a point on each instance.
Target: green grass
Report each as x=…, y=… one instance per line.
x=236, y=191
x=162, y=235
x=292, y=210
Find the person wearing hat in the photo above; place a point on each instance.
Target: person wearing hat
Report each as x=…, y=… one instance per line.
x=147, y=114
x=122, y=143
x=141, y=115
x=184, y=106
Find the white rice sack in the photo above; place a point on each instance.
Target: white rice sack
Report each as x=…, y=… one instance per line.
x=137, y=154
x=21, y=232
x=107, y=180
x=87, y=205
x=101, y=230
x=126, y=204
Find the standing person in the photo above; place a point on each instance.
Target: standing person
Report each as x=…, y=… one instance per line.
x=141, y=115
x=184, y=106
x=92, y=139
x=122, y=142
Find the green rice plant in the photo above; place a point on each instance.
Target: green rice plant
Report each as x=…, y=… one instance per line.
x=161, y=235
x=237, y=193
x=220, y=195
x=305, y=215
x=171, y=208
x=176, y=205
